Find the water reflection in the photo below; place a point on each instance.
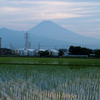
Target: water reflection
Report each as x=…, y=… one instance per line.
x=34, y=82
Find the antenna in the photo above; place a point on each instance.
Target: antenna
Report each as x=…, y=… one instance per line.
x=55, y=48
x=38, y=47
x=10, y=46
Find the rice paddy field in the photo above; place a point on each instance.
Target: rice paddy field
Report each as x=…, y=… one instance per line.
x=49, y=78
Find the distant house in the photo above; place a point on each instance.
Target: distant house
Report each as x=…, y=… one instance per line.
x=65, y=51
x=78, y=56
x=23, y=52
x=31, y=52
x=6, y=51
x=54, y=52
x=28, y=52
x=41, y=50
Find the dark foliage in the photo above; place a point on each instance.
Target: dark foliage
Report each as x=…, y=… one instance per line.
x=44, y=53
x=80, y=50
x=61, y=53
x=97, y=53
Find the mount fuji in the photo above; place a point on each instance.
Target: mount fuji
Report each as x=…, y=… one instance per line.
x=49, y=29
x=49, y=35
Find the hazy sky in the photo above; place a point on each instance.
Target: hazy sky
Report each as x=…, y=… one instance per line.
x=80, y=16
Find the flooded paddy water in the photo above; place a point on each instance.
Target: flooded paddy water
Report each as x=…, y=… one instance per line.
x=49, y=82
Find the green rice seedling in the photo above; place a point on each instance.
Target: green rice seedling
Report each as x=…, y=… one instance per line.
x=0, y=94
x=60, y=82
x=58, y=61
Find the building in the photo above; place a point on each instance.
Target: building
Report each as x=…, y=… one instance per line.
x=27, y=52
x=65, y=51
x=77, y=56
x=54, y=52
x=6, y=51
x=31, y=52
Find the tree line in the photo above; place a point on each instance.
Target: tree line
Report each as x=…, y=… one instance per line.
x=83, y=51
x=80, y=50
x=73, y=50
x=49, y=54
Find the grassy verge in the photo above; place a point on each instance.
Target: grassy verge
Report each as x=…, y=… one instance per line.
x=50, y=61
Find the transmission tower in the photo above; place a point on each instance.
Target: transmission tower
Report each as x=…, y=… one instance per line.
x=27, y=44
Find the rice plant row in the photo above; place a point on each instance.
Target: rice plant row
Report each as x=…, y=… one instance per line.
x=20, y=82
x=50, y=61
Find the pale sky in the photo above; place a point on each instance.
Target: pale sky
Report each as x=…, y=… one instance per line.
x=79, y=16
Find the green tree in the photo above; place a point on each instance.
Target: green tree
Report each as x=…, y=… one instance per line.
x=61, y=53
x=44, y=53
x=97, y=53
x=79, y=51
x=71, y=50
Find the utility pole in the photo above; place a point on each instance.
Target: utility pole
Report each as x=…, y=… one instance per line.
x=39, y=47
x=10, y=46
x=0, y=46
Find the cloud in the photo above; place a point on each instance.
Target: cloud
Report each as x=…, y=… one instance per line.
x=9, y=9
x=22, y=12
x=95, y=29
x=32, y=10
x=54, y=2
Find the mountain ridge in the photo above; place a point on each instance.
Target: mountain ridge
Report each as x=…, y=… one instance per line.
x=52, y=30
x=48, y=33
x=16, y=38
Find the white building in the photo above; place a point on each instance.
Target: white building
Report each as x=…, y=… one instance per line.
x=31, y=52
x=42, y=49
x=65, y=51
x=27, y=52
x=54, y=52
x=21, y=52
x=78, y=56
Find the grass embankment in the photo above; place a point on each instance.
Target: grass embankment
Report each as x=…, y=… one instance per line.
x=50, y=61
